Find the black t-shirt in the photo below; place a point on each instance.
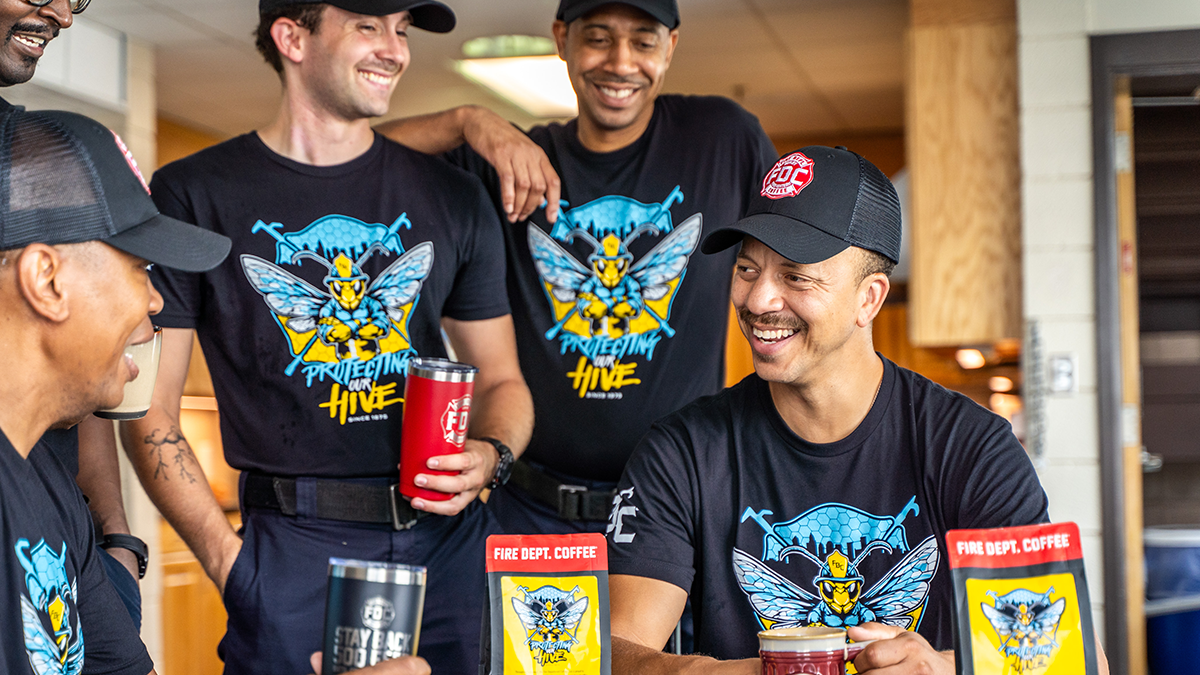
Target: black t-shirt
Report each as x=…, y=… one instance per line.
x=619, y=318
x=56, y=604
x=766, y=529
x=339, y=275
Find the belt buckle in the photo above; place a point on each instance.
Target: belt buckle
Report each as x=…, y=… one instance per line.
x=570, y=498
x=397, y=503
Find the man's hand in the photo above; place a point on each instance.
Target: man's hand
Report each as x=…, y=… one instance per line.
x=527, y=179
x=898, y=651
x=229, y=551
x=476, y=465
x=405, y=665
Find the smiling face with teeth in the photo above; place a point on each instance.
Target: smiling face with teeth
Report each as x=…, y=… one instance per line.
x=350, y=66
x=27, y=29
x=617, y=58
x=805, y=323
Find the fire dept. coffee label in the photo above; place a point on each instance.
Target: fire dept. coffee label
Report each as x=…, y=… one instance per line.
x=1022, y=601
x=549, y=605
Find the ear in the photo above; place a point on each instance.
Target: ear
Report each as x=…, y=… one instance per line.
x=290, y=39
x=672, y=40
x=560, y=38
x=40, y=280
x=872, y=291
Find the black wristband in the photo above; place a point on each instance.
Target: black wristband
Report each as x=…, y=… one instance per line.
x=132, y=544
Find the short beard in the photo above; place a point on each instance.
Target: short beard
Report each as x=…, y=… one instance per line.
x=7, y=76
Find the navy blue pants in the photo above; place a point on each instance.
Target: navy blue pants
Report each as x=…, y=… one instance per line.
x=519, y=513
x=275, y=594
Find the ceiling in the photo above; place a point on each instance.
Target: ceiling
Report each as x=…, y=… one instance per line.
x=804, y=67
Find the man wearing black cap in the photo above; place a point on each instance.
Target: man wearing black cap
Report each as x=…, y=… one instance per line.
x=818, y=491
x=77, y=231
x=618, y=323
x=352, y=255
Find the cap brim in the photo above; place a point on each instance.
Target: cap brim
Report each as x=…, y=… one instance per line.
x=173, y=243
x=793, y=239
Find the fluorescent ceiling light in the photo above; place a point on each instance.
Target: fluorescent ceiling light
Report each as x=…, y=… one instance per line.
x=539, y=85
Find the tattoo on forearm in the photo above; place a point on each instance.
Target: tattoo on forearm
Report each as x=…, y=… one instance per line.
x=171, y=446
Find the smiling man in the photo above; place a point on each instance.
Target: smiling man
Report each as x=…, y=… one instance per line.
x=76, y=235
x=28, y=26
x=618, y=321
x=353, y=255
x=819, y=490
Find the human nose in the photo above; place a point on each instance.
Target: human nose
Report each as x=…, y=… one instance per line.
x=58, y=11
x=620, y=58
x=156, y=299
x=763, y=296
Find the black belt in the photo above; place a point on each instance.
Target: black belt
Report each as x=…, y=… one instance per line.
x=336, y=500
x=573, y=502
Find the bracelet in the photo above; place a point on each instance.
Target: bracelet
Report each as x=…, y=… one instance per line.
x=132, y=544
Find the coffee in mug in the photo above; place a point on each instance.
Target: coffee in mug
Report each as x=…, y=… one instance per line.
x=140, y=391
x=815, y=650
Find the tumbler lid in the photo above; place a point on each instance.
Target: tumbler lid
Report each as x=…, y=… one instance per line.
x=442, y=370
x=378, y=572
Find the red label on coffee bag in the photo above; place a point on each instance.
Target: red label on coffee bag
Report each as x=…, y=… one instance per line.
x=1014, y=546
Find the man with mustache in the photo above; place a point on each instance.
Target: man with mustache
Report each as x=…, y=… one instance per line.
x=611, y=335
x=353, y=255
x=28, y=26
x=819, y=490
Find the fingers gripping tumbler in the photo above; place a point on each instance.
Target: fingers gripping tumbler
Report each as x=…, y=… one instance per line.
x=437, y=409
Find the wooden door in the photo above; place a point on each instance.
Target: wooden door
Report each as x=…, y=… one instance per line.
x=1131, y=377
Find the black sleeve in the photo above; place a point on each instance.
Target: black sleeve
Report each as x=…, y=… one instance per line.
x=479, y=289
x=180, y=290
x=651, y=531
x=992, y=483
x=111, y=643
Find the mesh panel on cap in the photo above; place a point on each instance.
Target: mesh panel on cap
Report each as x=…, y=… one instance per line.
x=51, y=193
x=875, y=223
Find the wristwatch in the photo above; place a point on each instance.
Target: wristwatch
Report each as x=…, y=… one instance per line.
x=129, y=543
x=504, y=468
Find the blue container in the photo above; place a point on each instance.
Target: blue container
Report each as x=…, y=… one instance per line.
x=1172, y=561
x=1172, y=629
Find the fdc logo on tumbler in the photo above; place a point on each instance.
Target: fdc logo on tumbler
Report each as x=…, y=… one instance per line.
x=378, y=613
x=456, y=419
x=789, y=176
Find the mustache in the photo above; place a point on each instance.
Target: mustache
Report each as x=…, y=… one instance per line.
x=387, y=67
x=33, y=28
x=610, y=79
x=772, y=320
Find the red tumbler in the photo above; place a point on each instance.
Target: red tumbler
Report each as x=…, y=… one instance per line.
x=437, y=407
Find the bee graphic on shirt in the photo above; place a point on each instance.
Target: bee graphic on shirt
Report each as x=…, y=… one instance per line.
x=1027, y=623
x=551, y=619
x=354, y=312
x=615, y=290
x=53, y=636
x=845, y=537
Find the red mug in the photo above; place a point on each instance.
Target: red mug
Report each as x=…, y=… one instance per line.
x=437, y=409
x=811, y=650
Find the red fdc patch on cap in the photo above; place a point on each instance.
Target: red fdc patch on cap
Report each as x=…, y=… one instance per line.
x=788, y=177
x=131, y=161
x=1014, y=546
x=583, y=552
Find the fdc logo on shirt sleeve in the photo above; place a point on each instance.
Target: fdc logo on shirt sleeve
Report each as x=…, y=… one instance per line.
x=789, y=176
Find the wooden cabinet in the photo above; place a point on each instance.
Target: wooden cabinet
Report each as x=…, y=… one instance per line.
x=964, y=166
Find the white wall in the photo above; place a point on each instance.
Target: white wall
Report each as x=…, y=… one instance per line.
x=1058, y=232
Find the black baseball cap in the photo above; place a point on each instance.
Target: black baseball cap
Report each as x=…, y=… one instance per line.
x=665, y=12
x=431, y=15
x=66, y=179
x=815, y=203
